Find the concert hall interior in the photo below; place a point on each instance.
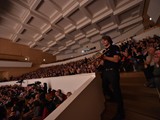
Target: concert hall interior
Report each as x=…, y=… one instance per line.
x=79, y=60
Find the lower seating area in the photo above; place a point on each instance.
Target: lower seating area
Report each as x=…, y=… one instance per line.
x=79, y=101
x=140, y=102
x=34, y=102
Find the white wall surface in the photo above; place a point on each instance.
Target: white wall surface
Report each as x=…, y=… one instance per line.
x=86, y=102
x=14, y=64
x=66, y=83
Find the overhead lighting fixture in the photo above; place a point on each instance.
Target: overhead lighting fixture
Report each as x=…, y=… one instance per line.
x=150, y=18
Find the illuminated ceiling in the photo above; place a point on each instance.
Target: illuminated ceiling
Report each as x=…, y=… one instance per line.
x=64, y=26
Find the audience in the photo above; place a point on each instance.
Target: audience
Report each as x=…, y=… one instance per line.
x=36, y=101
x=133, y=58
x=28, y=103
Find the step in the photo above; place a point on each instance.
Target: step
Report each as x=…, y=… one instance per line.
x=132, y=74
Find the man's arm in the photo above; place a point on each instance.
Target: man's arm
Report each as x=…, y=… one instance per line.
x=115, y=58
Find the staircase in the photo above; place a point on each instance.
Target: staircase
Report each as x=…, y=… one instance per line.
x=140, y=103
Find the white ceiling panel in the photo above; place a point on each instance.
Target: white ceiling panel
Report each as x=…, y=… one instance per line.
x=83, y=41
x=106, y=22
x=66, y=26
x=8, y=23
x=95, y=38
x=129, y=15
x=63, y=3
x=119, y=3
x=76, y=46
x=23, y=41
x=47, y=7
x=97, y=7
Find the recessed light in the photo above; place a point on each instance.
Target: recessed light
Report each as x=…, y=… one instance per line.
x=150, y=18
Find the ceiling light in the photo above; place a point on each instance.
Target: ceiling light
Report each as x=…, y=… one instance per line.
x=150, y=18
x=83, y=51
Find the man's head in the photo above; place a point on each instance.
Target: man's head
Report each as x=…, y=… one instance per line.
x=106, y=40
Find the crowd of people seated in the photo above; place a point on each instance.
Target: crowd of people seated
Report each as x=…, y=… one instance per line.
x=144, y=56
x=133, y=58
x=35, y=102
x=72, y=68
x=29, y=103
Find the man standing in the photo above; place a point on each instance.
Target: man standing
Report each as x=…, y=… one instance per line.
x=111, y=75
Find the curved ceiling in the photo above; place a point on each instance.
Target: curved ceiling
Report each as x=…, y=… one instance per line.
x=63, y=26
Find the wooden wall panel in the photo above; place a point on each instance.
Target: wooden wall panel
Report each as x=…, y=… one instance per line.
x=18, y=52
